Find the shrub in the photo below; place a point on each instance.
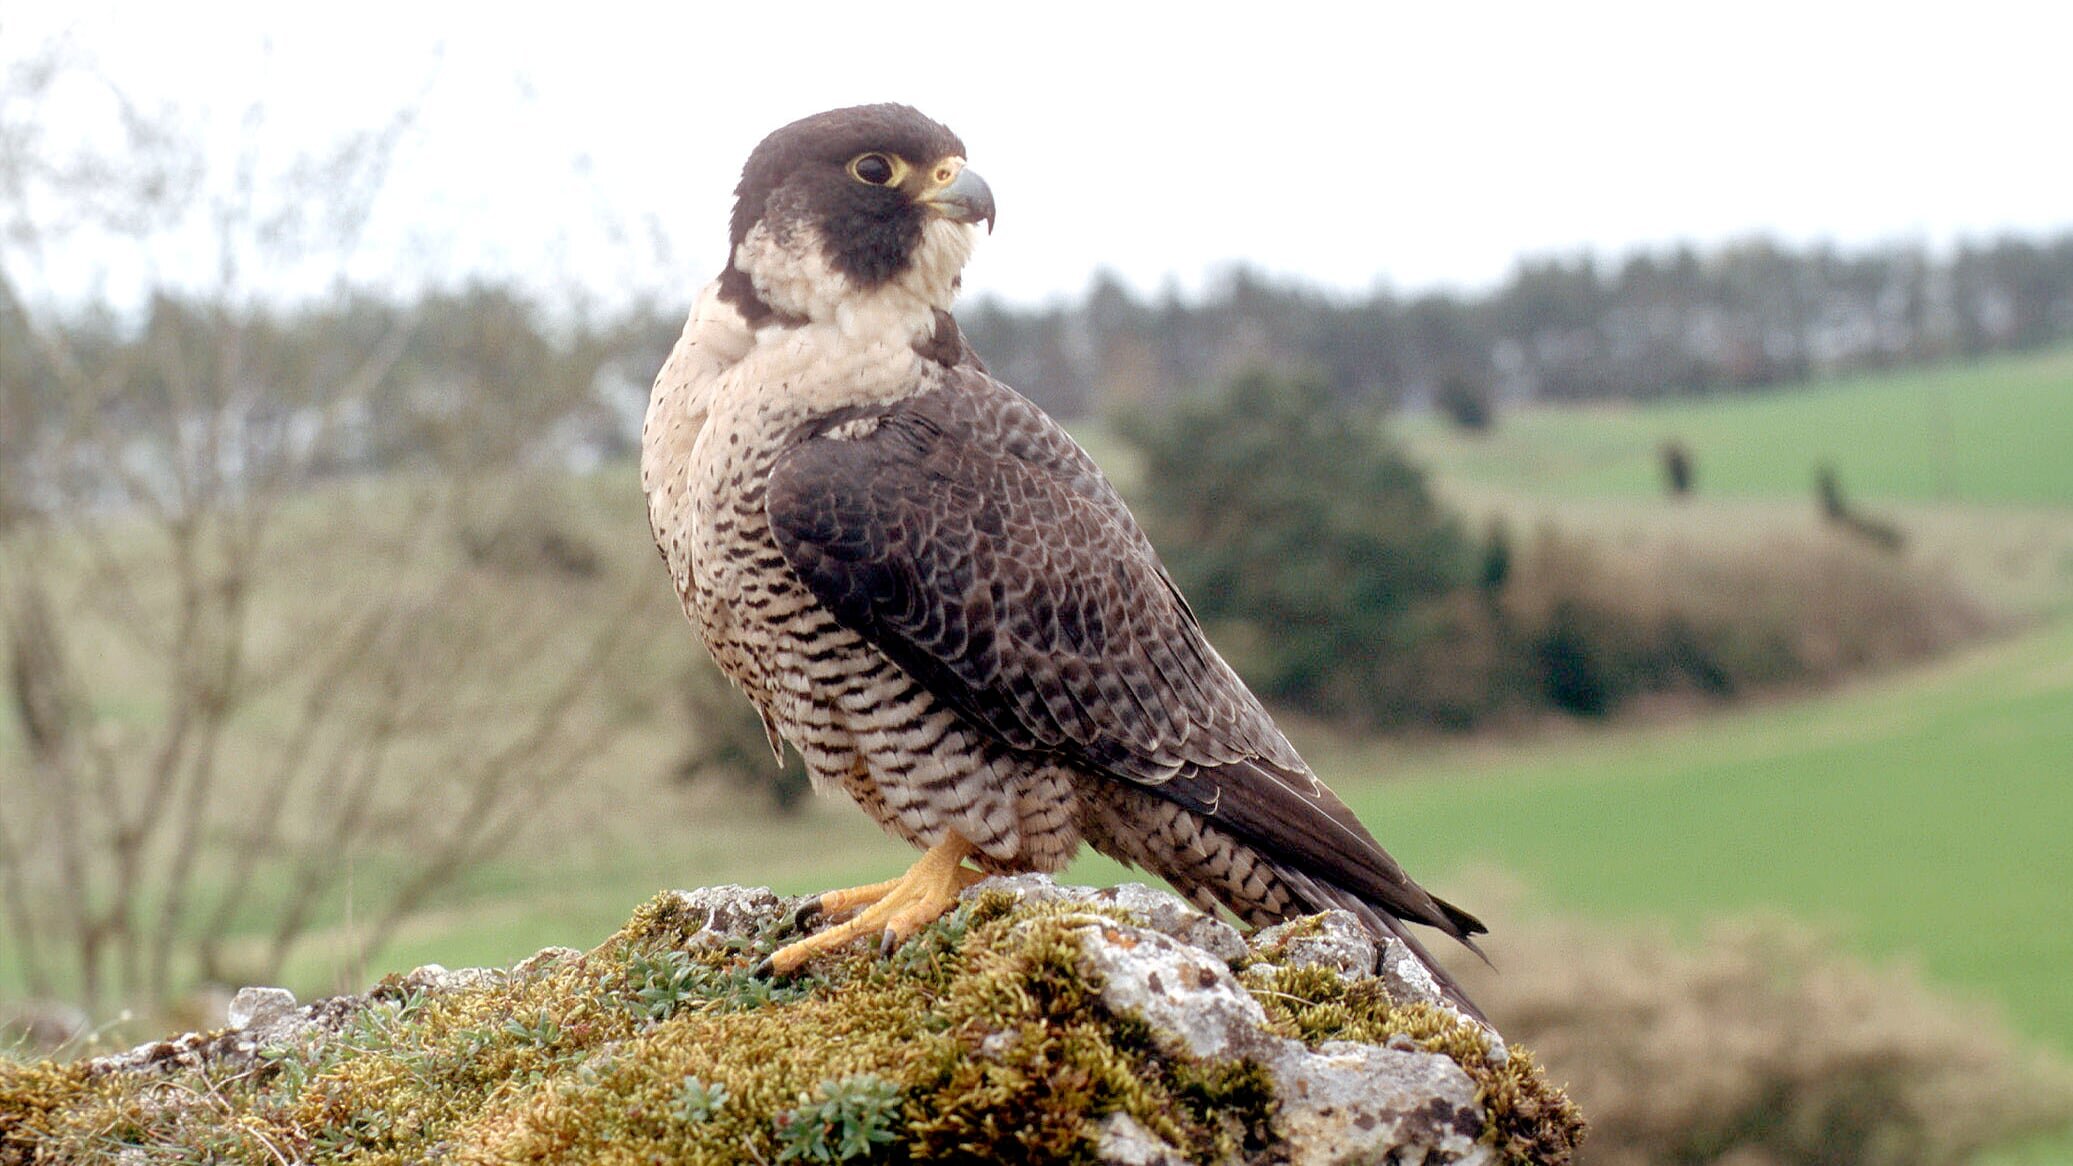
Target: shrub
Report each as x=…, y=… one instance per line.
x=849, y=1119
x=1466, y=403
x=1602, y=625
x=1760, y=1047
x=1304, y=538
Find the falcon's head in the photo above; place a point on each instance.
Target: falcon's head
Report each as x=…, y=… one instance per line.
x=872, y=203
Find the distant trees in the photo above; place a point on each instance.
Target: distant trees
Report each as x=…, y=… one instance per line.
x=1655, y=324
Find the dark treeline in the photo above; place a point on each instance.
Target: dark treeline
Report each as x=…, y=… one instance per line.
x=1658, y=323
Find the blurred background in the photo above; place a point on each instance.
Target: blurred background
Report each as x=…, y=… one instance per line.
x=1628, y=445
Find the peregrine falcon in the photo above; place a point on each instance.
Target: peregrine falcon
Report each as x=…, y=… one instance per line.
x=934, y=595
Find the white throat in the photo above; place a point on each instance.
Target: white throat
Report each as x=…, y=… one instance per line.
x=791, y=273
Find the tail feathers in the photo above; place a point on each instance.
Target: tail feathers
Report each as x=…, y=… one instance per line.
x=1383, y=925
x=1463, y=924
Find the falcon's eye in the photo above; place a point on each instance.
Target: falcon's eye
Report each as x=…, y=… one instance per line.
x=875, y=169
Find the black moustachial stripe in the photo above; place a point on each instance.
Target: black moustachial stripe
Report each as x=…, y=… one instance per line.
x=801, y=174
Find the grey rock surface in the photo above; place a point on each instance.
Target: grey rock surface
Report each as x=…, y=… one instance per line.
x=1123, y=1141
x=434, y=978
x=733, y=912
x=1160, y=911
x=257, y=1006
x=266, y=1016
x=1340, y=1102
x=1348, y=1102
x=1190, y=998
x=1334, y=940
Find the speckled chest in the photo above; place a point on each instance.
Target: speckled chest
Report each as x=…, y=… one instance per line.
x=766, y=630
x=745, y=597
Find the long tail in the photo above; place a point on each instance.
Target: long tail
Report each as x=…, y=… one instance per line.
x=1213, y=866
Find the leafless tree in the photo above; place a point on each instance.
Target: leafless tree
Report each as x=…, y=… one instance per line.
x=246, y=677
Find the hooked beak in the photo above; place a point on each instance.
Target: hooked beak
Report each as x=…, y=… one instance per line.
x=964, y=199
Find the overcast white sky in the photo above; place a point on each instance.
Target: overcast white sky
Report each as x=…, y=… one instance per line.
x=1416, y=145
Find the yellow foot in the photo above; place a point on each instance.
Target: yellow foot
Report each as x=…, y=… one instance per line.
x=892, y=910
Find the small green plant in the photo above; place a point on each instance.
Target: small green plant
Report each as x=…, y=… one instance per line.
x=662, y=983
x=739, y=991
x=853, y=1115
x=935, y=941
x=292, y=1072
x=698, y=1101
x=544, y=1031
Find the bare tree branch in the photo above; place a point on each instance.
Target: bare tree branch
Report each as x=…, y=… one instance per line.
x=241, y=661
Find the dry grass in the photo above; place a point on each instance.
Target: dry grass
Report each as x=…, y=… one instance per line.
x=2017, y=558
x=1760, y=1046
x=1671, y=614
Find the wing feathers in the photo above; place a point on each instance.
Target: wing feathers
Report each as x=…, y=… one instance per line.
x=968, y=538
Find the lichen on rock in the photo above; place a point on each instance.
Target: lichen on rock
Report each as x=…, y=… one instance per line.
x=1035, y=1023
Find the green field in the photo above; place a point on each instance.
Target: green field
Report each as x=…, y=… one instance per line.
x=1919, y=817
x=1995, y=432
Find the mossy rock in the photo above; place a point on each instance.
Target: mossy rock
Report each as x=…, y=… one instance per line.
x=1032, y=1024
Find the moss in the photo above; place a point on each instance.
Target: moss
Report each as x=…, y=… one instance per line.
x=981, y=1039
x=1527, y=1120
x=29, y=1095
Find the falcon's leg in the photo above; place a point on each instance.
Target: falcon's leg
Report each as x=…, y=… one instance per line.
x=896, y=909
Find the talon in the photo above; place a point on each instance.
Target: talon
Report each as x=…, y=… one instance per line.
x=762, y=969
x=798, y=917
x=893, y=910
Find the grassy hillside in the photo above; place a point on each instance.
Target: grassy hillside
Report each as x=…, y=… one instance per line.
x=1992, y=432
x=1920, y=817
x=1971, y=461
